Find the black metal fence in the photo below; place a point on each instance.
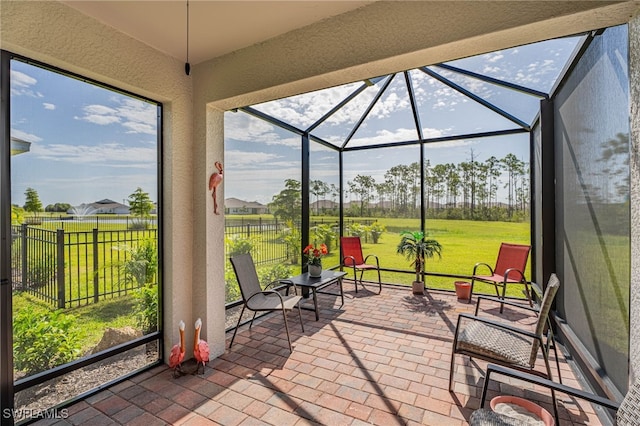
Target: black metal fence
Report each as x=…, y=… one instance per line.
x=73, y=268
x=265, y=238
x=56, y=262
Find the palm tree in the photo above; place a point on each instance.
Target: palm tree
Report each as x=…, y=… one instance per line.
x=417, y=249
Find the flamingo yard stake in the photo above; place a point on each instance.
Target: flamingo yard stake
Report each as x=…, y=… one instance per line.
x=200, y=348
x=177, y=353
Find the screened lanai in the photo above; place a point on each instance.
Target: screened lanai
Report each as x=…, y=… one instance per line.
x=456, y=150
x=490, y=148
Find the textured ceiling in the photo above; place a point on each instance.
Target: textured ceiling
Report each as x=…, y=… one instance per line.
x=215, y=27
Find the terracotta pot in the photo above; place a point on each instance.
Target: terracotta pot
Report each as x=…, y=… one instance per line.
x=531, y=407
x=463, y=290
x=418, y=287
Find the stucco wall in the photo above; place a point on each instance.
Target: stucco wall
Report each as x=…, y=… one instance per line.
x=634, y=77
x=58, y=35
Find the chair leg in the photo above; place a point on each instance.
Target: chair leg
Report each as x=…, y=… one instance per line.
x=379, y=282
x=252, y=318
x=237, y=325
x=528, y=293
x=355, y=277
x=553, y=392
x=286, y=327
x=300, y=313
x=504, y=291
x=453, y=361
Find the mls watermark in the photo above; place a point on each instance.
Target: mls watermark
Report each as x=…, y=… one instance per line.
x=18, y=414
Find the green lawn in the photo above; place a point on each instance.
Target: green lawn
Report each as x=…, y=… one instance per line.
x=464, y=243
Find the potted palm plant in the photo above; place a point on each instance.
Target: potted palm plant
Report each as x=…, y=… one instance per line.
x=417, y=248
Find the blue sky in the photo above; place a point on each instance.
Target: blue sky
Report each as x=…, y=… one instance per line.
x=87, y=143
x=260, y=156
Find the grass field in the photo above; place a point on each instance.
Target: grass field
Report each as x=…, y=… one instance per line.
x=464, y=243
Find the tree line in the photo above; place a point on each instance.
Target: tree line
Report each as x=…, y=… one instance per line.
x=467, y=190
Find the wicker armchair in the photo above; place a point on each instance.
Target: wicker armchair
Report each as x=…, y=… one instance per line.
x=627, y=412
x=506, y=344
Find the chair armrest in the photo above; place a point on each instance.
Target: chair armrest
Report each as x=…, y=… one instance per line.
x=511, y=271
x=267, y=293
x=351, y=258
x=506, y=302
x=375, y=257
x=289, y=283
x=475, y=267
x=537, y=380
x=498, y=324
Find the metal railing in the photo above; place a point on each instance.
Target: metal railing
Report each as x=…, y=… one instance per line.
x=73, y=268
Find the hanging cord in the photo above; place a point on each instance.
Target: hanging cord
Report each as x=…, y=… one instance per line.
x=187, y=65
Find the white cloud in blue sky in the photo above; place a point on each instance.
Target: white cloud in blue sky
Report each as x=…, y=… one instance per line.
x=254, y=144
x=87, y=143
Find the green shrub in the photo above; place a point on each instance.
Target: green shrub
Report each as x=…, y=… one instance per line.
x=142, y=262
x=146, y=308
x=323, y=234
x=270, y=274
x=291, y=238
x=41, y=270
x=43, y=340
x=237, y=244
x=375, y=230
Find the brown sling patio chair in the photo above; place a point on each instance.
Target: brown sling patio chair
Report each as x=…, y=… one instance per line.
x=256, y=300
x=352, y=258
x=505, y=344
x=509, y=269
x=627, y=412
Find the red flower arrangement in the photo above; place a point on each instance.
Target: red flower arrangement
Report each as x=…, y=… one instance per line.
x=314, y=254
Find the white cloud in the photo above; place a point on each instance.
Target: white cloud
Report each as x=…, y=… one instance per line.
x=134, y=115
x=101, y=120
x=48, y=106
x=243, y=127
x=22, y=85
x=114, y=154
x=494, y=57
x=305, y=109
x=21, y=79
x=244, y=160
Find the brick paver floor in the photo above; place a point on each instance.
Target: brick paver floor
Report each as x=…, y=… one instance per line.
x=380, y=359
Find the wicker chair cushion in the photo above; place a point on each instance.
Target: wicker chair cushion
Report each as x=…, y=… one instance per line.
x=629, y=411
x=496, y=343
x=486, y=417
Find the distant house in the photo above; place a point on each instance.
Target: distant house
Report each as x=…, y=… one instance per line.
x=236, y=206
x=324, y=205
x=18, y=146
x=105, y=206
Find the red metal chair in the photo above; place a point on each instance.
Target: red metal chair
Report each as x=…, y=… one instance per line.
x=509, y=269
x=352, y=258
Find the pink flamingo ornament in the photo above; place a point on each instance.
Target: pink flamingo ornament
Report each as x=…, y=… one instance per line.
x=177, y=352
x=200, y=348
x=214, y=180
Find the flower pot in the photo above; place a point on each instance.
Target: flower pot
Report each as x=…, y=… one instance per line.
x=418, y=287
x=463, y=290
x=521, y=409
x=315, y=270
